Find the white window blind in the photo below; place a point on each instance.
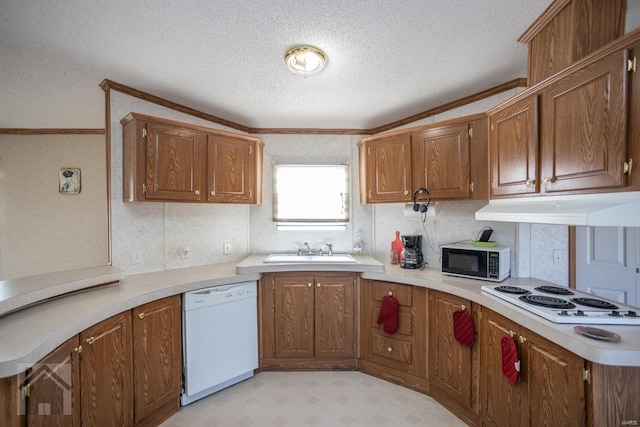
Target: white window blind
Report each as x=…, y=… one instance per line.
x=310, y=195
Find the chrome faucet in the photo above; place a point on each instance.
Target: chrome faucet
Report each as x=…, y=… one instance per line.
x=330, y=246
x=308, y=247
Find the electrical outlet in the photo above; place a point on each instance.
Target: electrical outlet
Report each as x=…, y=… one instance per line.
x=559, y=257
x=226, y=248
x=185, y=251
x=136, y=257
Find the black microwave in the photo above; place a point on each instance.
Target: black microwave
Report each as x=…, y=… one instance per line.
x=465, y=260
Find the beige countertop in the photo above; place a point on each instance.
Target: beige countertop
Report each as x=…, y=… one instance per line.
x=26, y=336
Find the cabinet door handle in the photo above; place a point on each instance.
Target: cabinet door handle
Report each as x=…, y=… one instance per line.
x=90, y=340
x=531, y=181
x=318, y=285
x=141, y=315
x=390, y=293
x=389, y=349
x=547, y=180
x=463, y=307
x=522, y=339
x=78, y=349
x=197, y=192
x=512, y=334
x=213, y=193
x=309, y=284
x=406, y=193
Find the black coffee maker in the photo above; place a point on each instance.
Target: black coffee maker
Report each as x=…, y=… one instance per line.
x=412, y=253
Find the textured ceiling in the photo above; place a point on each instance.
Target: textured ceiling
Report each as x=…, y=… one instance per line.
x=387, y=59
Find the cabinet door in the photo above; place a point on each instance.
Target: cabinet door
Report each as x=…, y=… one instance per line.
x=584, y=128
x=294, y=316
x=157, y=355
x=106, y=373
x=231, y=168
x=386, y=169
x=513, y=148
x=441, y=161
x=554, y=377
x=334, y=317
x=502, y=403
x=450, y=362
x=175, y=163
x=54, y=384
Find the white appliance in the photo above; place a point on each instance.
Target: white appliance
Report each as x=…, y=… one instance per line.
x=560, y=304
x=219, y=338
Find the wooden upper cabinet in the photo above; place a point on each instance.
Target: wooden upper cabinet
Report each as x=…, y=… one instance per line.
x=233, y=168
x=513, y=146
x=449, y=159
x=569, y=30
x=385, y=169
x=175, y=163
x=170, y=161
x=441, y=161
x=584, y=127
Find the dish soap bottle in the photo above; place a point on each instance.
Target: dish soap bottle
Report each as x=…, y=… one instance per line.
x=396, y=249
x=357, y=247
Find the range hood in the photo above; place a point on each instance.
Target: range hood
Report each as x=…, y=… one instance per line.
x=603, y=209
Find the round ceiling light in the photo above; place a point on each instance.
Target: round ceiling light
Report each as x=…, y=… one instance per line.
x=305, y=60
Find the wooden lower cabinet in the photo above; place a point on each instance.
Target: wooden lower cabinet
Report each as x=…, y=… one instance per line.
x=157, y=360
x=400, y=357
x=307, y=320
x=106, y=373
x=551, y=389
x=123, y=371
x=453, y=367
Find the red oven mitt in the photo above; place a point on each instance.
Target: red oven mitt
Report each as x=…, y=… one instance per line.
x=463, y=329
x=510, y=360
x=388, y=314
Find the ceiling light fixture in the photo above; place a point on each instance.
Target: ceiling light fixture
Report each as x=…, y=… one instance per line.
x=305, y=60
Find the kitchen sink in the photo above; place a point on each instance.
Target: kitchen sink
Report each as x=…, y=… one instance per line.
x=310, y=259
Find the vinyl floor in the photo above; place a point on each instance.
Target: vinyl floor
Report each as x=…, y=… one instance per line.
x=335, y=398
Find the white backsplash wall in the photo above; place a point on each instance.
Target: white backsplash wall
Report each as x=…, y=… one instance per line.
x=455, y=223
x=147, y=236
x=547, y=240
x=307, y=149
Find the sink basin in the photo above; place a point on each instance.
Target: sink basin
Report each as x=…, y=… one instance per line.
x=310, y=259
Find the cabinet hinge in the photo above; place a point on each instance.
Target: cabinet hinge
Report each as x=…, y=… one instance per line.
x=632, y=64
x=25, y=390
x=144, y=132
x=250, y=150
x=470, y=132
x=586, y=375
x=471, y=187
x=369, y=150
x=144, y=188
x=628, y=165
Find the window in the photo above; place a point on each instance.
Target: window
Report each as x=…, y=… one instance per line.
x=310, y=197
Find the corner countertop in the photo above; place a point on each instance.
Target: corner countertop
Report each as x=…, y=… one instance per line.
x=30, y=334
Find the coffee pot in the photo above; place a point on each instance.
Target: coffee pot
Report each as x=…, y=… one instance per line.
x=412, y=254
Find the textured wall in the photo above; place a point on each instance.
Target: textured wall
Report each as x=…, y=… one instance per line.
x=42, y=230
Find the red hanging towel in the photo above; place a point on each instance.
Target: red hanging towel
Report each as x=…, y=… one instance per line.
x=463, y=329
x=510, y=360
x=388, y=314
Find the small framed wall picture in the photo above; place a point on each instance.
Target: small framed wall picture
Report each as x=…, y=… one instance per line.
x=69, y=180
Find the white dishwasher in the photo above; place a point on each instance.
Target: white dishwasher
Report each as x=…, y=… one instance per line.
x=219, y=338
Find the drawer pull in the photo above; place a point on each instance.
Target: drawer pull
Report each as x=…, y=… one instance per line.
x=463, y=307
x=90, y=340
x=141, y=315
x=389, y=349
x=309, y=284
x=390, y=293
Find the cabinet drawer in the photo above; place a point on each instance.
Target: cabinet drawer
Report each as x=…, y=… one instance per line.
x=392, y=348
x=400, y=292
x=404, y=321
